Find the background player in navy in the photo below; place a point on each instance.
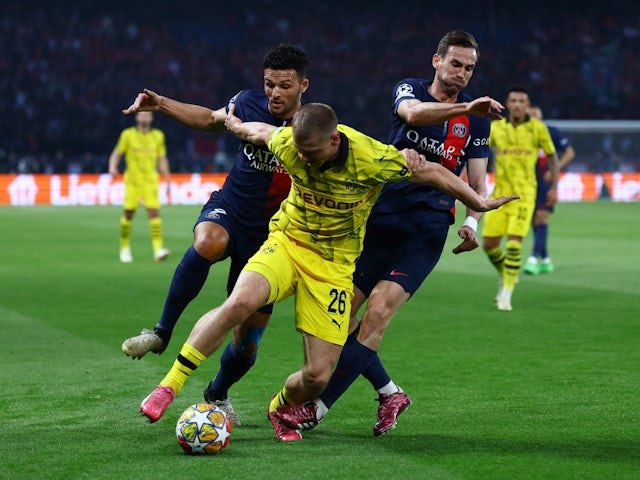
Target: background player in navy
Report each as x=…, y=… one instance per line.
x=540, y=261
x=408, y=226
x=234, y=222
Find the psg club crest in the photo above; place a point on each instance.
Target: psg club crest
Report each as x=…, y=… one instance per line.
x=459, y=130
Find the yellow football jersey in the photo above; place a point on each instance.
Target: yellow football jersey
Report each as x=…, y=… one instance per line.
x=516, y=153
x=141, y=151
x=327, y=208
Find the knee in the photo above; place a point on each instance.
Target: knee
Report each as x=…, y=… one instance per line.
x=489, y=244
x=211, y=243
x=378, y=312
x=239, y=306
x=513, y=244
x=316, y=379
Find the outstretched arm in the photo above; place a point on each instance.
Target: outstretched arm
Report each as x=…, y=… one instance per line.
x=253, y=132
x=445, y=181
x=416, y=112
x=194, y=116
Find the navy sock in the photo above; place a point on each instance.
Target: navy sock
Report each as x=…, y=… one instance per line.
x=188, y=280
x=540, y=240
x=354, y=360
x=376, y=374
x=233, y=366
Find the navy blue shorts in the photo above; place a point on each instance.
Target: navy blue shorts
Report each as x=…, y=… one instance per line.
x=401, y=249
x=244, y=241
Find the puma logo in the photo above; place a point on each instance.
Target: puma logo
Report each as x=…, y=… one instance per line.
x=336, y=323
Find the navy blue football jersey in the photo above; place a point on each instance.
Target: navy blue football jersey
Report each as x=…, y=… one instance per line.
x=450, y=143
x=560, y=142
x=257, y=183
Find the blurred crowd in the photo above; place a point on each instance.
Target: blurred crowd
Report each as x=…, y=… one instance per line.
x=68, y=68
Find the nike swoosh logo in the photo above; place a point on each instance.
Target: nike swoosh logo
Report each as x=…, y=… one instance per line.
x=398, y=274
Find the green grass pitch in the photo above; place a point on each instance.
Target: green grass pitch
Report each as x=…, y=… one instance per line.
x=547, y=391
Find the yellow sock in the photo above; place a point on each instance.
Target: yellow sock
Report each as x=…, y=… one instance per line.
x=155, y=227
x=497, y=258
x=125, y=232
x=512, y=264
x=280, y=400
x=188, y=360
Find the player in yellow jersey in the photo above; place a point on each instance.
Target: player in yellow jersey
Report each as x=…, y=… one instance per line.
x=515, y=141
x=145, y=153
x=314, y=240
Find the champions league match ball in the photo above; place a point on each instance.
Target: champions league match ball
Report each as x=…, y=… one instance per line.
x=203, y=429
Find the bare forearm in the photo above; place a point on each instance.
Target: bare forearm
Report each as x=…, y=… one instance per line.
x=432, y=113
x=194, y=116
x=448, y=183
x=417, y=113
x=253, y=132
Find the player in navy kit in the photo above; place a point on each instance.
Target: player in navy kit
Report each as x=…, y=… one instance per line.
x=234, y=222
x=408, y=226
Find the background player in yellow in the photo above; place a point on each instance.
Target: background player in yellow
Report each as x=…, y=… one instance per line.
x=515, y=141
x=314, y=240
x=145, y=153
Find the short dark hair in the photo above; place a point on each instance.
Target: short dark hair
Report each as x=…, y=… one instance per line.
x=287, y=57
x=314, y=119
x=457, y=38
x=519, y=88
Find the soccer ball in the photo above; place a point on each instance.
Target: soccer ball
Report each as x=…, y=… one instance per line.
x=203, y=429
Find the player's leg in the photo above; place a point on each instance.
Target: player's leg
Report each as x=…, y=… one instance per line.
x=541, y=235
x=512, y=264
x=309, y=382
x=160, y=253
x=310, y=414
x=251, y=292
x=402, y=263
x=236, y=360
x=211, y=238
x=188, y=279
x=131, y=203
x=324, y=291
x=532, y=265
x=494, y=227
x=303, y=385
x=241, y=352
x=151, y=201
x=517, y=229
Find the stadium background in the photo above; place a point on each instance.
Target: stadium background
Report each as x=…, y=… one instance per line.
x=68, y=67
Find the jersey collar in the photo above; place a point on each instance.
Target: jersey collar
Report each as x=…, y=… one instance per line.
x=341, y=158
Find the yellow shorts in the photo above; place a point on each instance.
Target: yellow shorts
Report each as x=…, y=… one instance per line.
x=323, y=289
x=145, y=190
x=511, y=219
